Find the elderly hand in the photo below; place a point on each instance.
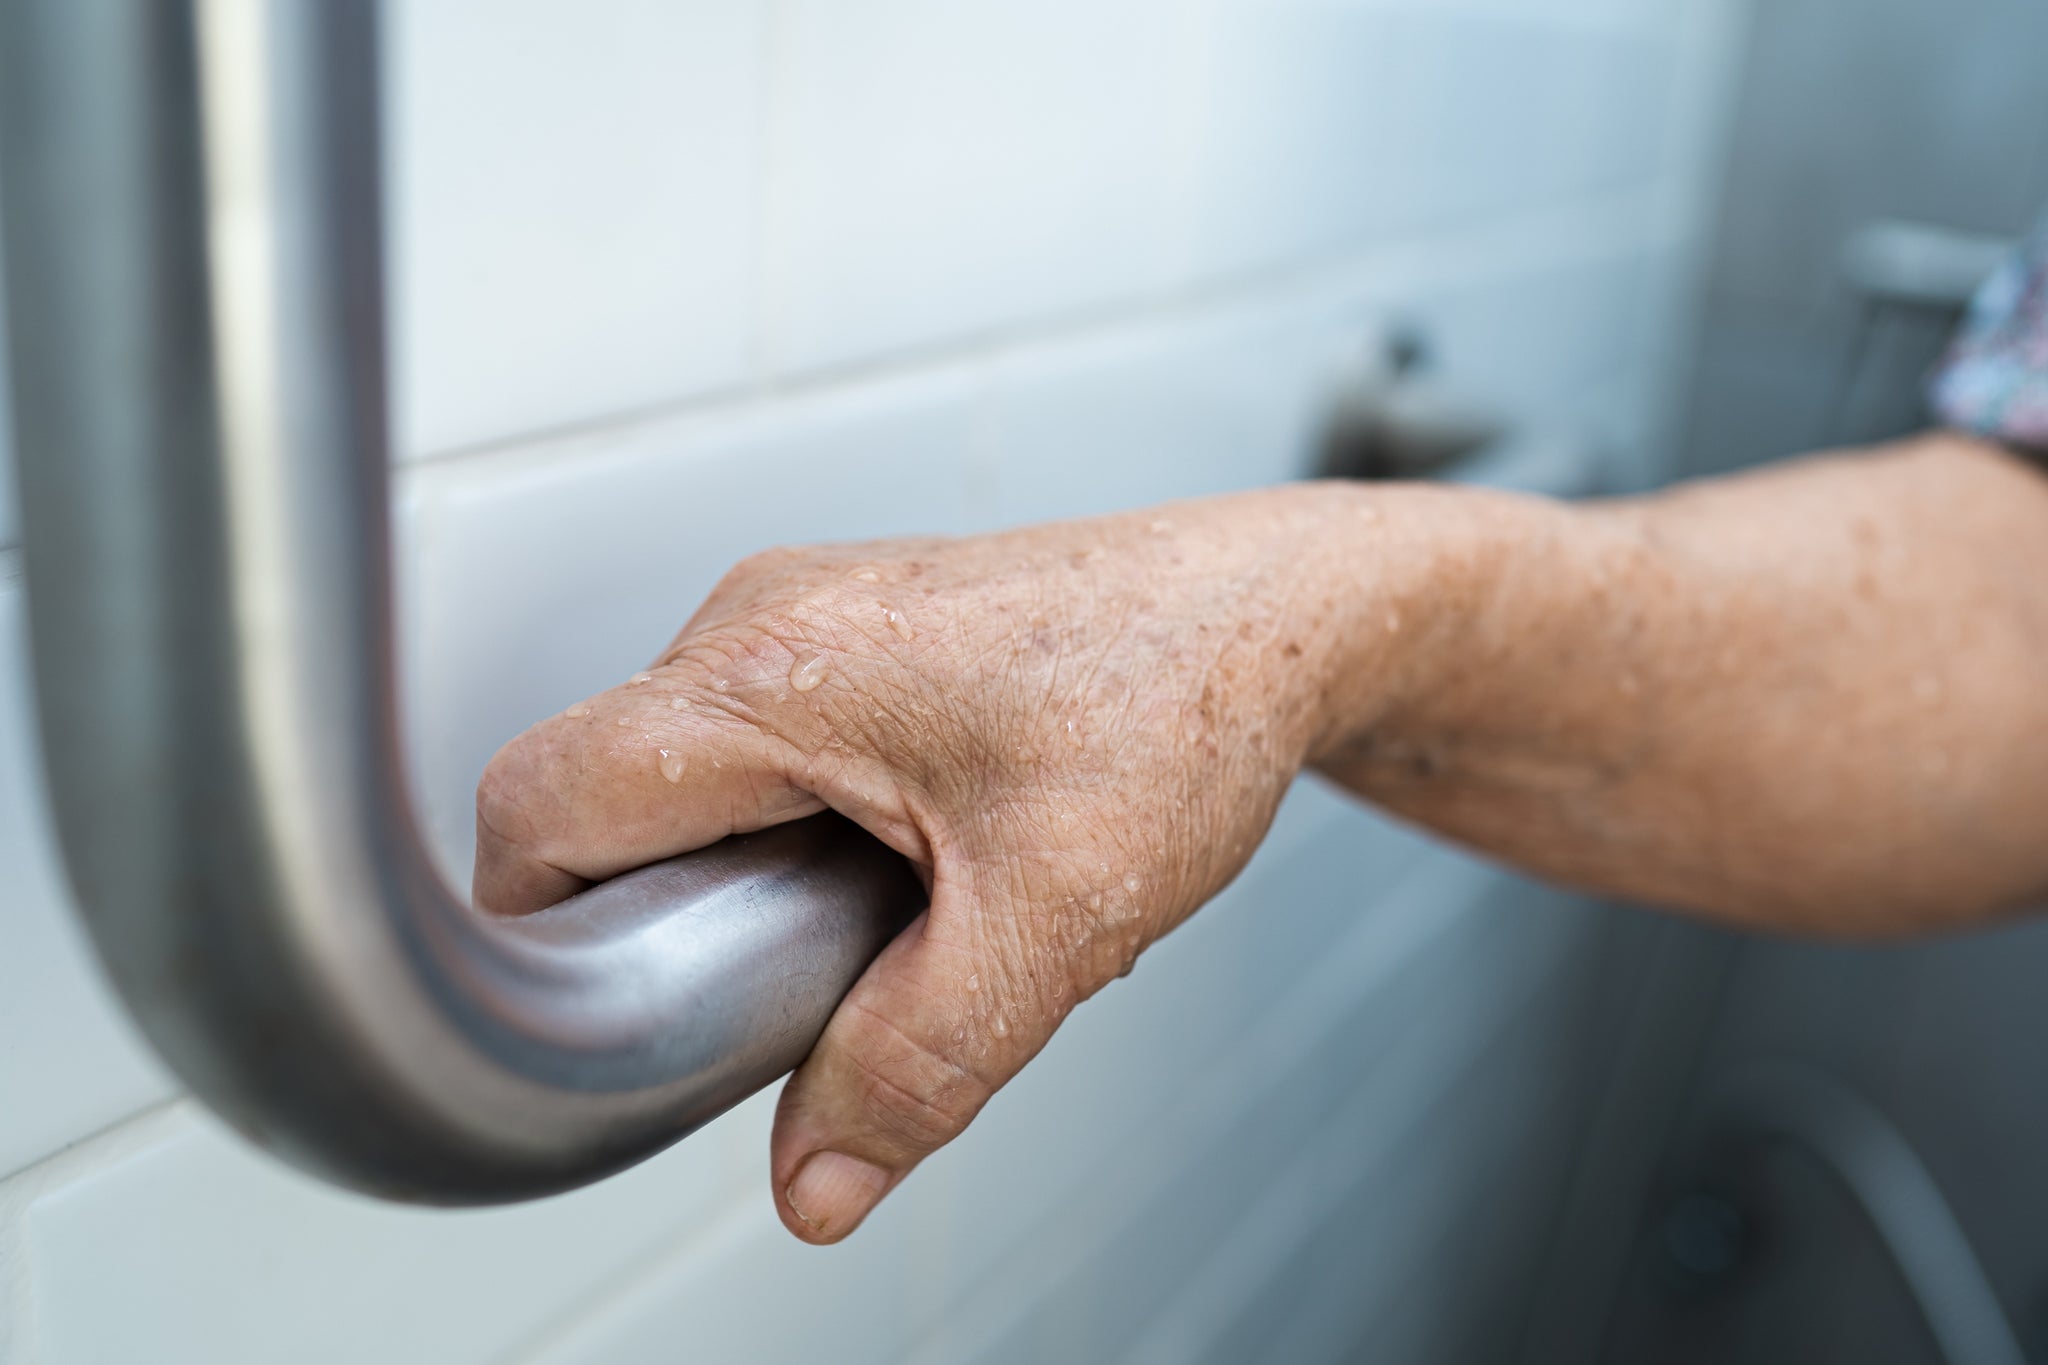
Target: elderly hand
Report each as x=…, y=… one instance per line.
x=1078, y=732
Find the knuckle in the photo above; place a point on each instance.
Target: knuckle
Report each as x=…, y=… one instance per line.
x=526, y=797
x=909, y=1091
x=503, y=796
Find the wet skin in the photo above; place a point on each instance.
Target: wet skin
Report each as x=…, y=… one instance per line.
x=1813, y=699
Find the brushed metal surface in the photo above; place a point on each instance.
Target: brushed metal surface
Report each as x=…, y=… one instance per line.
x=195, y=300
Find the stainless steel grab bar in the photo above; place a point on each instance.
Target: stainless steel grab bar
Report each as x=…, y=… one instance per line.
x=194, y=286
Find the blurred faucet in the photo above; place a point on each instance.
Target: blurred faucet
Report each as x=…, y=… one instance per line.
x=1390, y=419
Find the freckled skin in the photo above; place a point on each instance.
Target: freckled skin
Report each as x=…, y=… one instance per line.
x=1812, y=699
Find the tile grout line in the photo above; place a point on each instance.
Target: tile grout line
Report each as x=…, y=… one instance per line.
x=1393, y=937
x=1418, y=931
x=728, y=1222
x=666, y=1259
x=19, y=1191
x=1586, y=228
x=1213, y=1299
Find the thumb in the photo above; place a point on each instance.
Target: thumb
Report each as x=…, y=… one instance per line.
x=928, y=1034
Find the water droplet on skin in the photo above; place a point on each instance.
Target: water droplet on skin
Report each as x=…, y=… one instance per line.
x=867, y=576
x=1000, y=1027
x=973, y=981
x=1161, y=526
x=720, y=685
x=898, y=622
x=809, y=671
x=578, y=711
x=1073, y=733
x=672, y=766
x=638, y=678
x=679, y=704
x=624, y=721
x=1131, y=884
x=1393, y=623
x=960, y=1034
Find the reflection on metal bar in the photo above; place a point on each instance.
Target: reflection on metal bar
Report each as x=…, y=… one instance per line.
x=195, y=304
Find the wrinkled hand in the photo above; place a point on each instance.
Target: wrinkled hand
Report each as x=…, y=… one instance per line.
x=1077, y=732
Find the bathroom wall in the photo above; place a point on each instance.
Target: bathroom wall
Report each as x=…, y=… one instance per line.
x=1851, y=110
x=678, y=279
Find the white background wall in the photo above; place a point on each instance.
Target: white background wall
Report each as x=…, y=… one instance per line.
x=676, y=279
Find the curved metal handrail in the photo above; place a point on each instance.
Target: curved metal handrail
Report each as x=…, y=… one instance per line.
x=194, y=286
x=1878, y=1166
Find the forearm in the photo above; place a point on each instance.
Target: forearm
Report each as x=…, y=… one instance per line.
x=1814, y=698
x=1811, y=698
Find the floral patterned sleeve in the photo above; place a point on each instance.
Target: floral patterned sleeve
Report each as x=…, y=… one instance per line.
x=1994, y=380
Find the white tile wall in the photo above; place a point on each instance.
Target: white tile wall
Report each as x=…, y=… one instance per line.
x=1059, y=1260
x=679, y=281
x=939, y=171
x=213, y=1253
x=69, y=1061
x=1324, y=169
x=1329, y=126
x=573, y=209
x=1182, y=408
